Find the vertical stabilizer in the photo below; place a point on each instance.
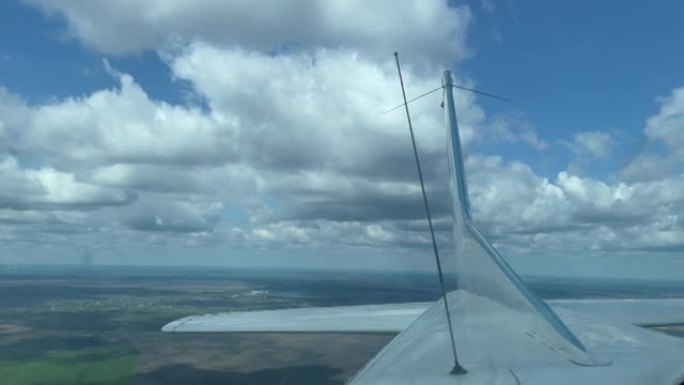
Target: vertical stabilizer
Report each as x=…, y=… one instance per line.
x=491, y=295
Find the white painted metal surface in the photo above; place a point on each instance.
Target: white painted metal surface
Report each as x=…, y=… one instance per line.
x=386, y=318
x=631, y=355
x=642, y=312
x=394, y=318
x=421, y=353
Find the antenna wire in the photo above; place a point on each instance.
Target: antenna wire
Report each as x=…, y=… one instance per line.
x=458, y=369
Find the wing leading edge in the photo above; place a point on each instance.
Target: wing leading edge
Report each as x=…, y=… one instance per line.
x=386, y=318
x=394, y=318
x=640, y=312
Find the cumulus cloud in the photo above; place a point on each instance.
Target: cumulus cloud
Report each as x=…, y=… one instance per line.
x=437, y=31
x=515, y=129
x=290, y=148
x=593, y=143
x=124, y=125
x=664, y=128
x=230, y=181
x=330, y=234
x=161, y=213
x=646, y=167
x=309, y=135
x=668, y=125
x=572, y=215
x=50, y=188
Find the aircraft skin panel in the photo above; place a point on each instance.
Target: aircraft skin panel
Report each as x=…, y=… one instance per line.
x=421, y=353
x=387, y=318
x=641, y=312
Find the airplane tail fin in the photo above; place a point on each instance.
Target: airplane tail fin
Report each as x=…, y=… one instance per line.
x=491, y=289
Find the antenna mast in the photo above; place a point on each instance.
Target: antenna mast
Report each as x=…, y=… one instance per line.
x=458, y=369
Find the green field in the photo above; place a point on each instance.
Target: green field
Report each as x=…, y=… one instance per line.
x=70, y=367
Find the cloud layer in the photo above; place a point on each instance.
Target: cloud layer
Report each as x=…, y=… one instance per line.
x=375, y=29
x=287, y=147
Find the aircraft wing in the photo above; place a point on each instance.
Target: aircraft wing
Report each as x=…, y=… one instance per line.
x=492, y=328
x=386, y=318
x=393, y=318
x=640, y=312
x=421, y=354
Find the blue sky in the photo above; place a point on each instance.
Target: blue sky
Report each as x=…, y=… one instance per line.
x=580, y=66
x=202, y=154
x=39, y=61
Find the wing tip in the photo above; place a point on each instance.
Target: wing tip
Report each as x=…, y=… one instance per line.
x=173, y=326
x=169, y=327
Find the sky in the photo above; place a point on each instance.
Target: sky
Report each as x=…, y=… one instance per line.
x=226, y=133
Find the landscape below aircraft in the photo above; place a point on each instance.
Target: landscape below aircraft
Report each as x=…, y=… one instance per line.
x=491, y=330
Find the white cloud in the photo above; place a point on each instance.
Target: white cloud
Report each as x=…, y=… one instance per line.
x=308, y=136
x=307, y=148
x=320, y=109
x=572, y=215
x=668, y=125
x=435, y=32
x=322, y=234
x=510, y=197
x=594, y=143
x=646, y=167
x=515, y=129
x=292, y=149
x=230, y=181
x=125, y=125
x=43, y=216
x=163, y=213
x=288, y=112
x=49, y=188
